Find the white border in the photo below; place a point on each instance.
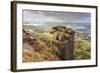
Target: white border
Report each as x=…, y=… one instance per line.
x=21, y=65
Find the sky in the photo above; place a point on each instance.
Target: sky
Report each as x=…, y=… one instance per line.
x=40, y=17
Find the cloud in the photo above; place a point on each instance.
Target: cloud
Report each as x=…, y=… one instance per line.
x=40, y=17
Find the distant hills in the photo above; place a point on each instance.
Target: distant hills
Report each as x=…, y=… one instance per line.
x=84, y=28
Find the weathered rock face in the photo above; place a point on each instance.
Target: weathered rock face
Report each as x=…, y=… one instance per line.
x=63, y=39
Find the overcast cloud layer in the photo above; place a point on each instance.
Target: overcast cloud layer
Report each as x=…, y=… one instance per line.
x=40, y=17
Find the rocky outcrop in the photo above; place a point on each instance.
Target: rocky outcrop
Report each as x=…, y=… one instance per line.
x=39, y=49
x=63, y=39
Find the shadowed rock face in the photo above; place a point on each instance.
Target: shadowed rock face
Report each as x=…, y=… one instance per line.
x=63, y=39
